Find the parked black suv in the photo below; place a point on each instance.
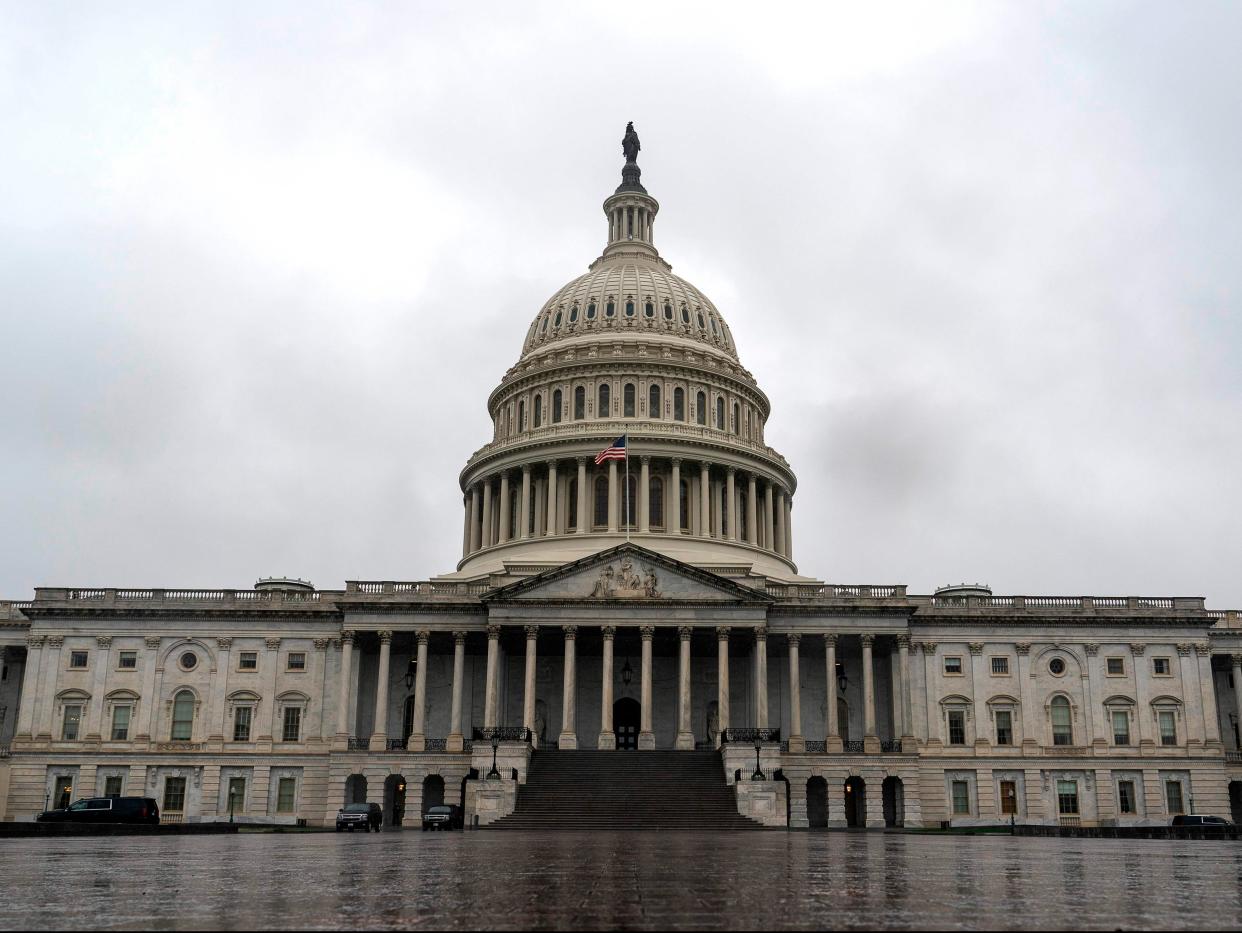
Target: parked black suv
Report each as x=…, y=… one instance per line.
x=368, y=816
x=1202, y=822
x=106, y=810
x=443, y=818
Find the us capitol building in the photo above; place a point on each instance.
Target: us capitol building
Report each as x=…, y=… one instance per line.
x=609, y=618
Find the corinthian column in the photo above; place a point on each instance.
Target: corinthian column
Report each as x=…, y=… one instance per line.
x=752, y=511
x=607, y=737
x=584, y=520
x=528, y=687
x=417, y=740
x=685, y=737
x=722, y=683
x=379, y=735
x=491, y=692
x=731, y=498
x=487, y=513
x=614, y=503
x=456, y=741
x=673, y=500
x=871, y=741
x=524, y=505
x=761, y=678
x=644, y=495
x=552, y=495
x=506, y=508
x=705, y=498
x=569, y=738
x=832, y=736
x=342, y=692
x=476, y=519
x=796, y=742
x=646, y=738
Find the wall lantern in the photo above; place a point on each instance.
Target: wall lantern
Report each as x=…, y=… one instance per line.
x=410, y=672
x=627, y=673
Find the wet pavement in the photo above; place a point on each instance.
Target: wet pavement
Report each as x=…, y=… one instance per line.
x=780, y=880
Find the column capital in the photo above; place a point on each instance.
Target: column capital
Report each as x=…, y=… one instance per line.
x=675, y=461
x=1184, y=648
x=581, y=461
x=1092, y=649
x=867, y=639
x=273, y=644
x=532, y=631
x=608, y=631
x=423, y=636
x=830, y=639
x=1023, y=648
x=224, y=644
x=459, y=637
x=929, y=647
x=151, y=641
x=103, y=641
x=1203, y=649
x=1137, y=649
x=731, y=471
x=685, y=631
x=347, y=636
x=321, y=644
x=551, y=463
x=493, y=632
x=645, y=459
x=976, y=648
x=903, y=640
x=55, y=641
x=526, y=469
x=1236, y=660
x=761, y=633
x=722, y=632
x=647, y=632
x=794, y=638
x=571, y=632
x=35, y=641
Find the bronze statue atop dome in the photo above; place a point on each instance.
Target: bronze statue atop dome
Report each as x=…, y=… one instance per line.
x=630, y=144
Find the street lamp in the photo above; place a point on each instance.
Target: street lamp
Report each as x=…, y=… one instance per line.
x=494, y=774
x=758, y=775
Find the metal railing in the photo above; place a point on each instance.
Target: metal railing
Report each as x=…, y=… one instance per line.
x=890, y=746
x=854, y=748
x=356, y=744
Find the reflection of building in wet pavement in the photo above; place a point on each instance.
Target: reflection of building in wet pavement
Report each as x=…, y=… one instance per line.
x=648, y=603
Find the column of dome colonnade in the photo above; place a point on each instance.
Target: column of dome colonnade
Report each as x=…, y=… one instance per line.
x=628, y=349
x=758, y=638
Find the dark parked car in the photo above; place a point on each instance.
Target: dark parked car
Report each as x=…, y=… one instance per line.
x=443, y=818
x=1202, y=822
x=368, y=816
x=106, y=810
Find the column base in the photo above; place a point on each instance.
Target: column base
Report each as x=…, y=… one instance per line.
x=567, y=740
x=834, y=745
x=340, y=742
x=909, y=745
x=455, y=743
x=871, y=745
x=685, y=741
x=606, y=740
x=378, y=742
x=416, y=743
x=646, y=741
x=797, y=744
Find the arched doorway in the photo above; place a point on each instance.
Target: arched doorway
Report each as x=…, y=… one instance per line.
x=433, y=791
x=394, y=799
x=817, y=803
x=626, y=719
x=356, y=789
x=894, y=795
x=855, y=803
x=1235, y=800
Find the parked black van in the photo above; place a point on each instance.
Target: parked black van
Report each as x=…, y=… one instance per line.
x=143, y=810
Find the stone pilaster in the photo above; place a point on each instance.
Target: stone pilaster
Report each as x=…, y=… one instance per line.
x=797, y=744
x=379, y=733
x=569, y=701
x=417, y=740
x=456, y=742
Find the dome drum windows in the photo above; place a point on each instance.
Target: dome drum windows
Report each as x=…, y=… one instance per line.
x=649, y=309
x=556, y=407
x=573, y=315
x=700, y=408
x=604, y=409
x=610, y=309
x=654, y=409
x=579, y=403
x=538, y=411
x=679, y=404
x=629, y=308
x=557, y=320
x=628, y=394
x=720, y=414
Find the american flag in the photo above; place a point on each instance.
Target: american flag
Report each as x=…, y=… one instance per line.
x=615, y=452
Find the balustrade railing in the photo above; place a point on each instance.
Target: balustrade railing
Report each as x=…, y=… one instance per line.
x=436, y=745
x=502, y=734
x=817, y=748
x=890, y=746
x=357, y=745
x=853, y=748
x=749, y=736
x=4, y=751
x=395, y=745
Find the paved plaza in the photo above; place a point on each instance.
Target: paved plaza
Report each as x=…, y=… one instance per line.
x=409, y=880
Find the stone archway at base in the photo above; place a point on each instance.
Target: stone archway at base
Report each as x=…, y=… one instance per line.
x=626, y=720
x=1235, y=800
x=394, y=799
x=894, y=798
x=356, y=789
x=817, y=803
x=855, y=791
x=433, y=792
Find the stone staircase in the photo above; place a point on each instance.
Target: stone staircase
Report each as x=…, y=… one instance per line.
x=654, y=790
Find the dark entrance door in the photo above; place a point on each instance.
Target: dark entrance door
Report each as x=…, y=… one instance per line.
x=855, y=803
x=626, y=718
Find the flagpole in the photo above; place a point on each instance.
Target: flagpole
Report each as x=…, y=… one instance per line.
x=627, y=487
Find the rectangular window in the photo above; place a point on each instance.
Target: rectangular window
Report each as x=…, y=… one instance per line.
x=72, y=722
x=952, y=665
x=1121, y=727
x=1168, y=727
x=285, y=792
x=961, y=797
x=237, y=794
x=1125, y=797
x=297, y=660
x=127, y=660
x=957, y=727
x=292, y=730
x=1173, y=796
x=1160, y=667
x=1004, y=727
x=1009, y=797
x=78, y=659
x=121, y=716
x=174, y=794
x=114, y=785
x=248, y=661
x=1115, y=667
x=241, y=723
x=1000, y=666
x=62, y=793
x=1067, y=798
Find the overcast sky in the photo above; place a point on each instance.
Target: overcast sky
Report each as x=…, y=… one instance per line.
x=261, y=265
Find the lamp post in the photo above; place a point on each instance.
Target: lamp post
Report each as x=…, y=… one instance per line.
x=758, y=775
x=627, y=673
x=411, y=671
x=494, y=774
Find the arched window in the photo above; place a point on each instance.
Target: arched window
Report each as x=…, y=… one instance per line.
x=679, y=404
x=515, y=510
x=1062, y=721
x=726, y=515
x=742, y=530
x=700, y=408
x=737, y=418
x=603, y=409
x=720, y=422
x=627, y=396
x=538, y=410
x=655, y=508
x=591, y=311
x=653, y=403
x=182, y=716
x=571, y=522
x=601, y=502
x=610, y=309
x=556, y=407
x=629, y=309
x=629, y=505
x=649, y=309
x=522, y=415
x=579, y=403
x=684, y=507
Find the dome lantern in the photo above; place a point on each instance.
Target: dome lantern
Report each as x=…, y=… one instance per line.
x=631, y=211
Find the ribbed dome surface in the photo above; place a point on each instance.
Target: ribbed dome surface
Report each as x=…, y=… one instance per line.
x=644, y=297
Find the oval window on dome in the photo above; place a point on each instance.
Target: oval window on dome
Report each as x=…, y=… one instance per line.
x=685, y=315
x=649, y=310
x=714, y=333
x=668, y=311
x=610, y=309
x=573, y=314
x=557, y=322
x=629, y=309
x=702, y=323
x=543, y=328
x=591, y=311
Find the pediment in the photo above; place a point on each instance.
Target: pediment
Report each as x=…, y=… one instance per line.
x=628, y=573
